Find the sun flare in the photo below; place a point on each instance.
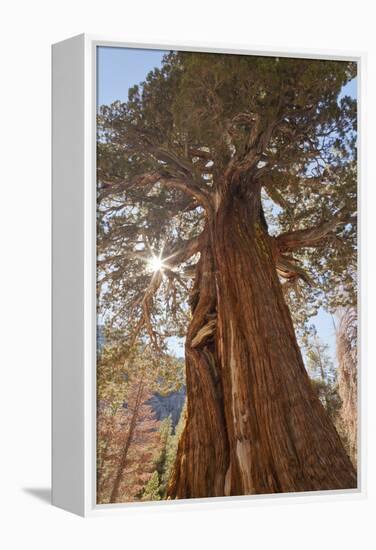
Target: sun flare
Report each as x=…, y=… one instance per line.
x=155, y=263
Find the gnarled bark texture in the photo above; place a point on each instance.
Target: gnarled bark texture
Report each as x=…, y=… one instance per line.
x=254, y=422
x=203, y=453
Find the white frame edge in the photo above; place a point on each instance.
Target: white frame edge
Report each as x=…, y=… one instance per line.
x=68, y=171
x=74, y=275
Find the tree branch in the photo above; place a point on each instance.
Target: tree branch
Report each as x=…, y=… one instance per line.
x=312, y=236
x=165, y=155
x=202, y=196
x=182, y=253
x=201, y=153
x=185, y=184
x=146, y=307
x=184, y=250
x=288, y=269
x=257, y=142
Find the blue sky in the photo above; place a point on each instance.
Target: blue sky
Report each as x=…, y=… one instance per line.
x=350, y=89
x=121, y=68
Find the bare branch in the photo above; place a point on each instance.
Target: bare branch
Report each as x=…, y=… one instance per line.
x=146, y=306
x=288, y=269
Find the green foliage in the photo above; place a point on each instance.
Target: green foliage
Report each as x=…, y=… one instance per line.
x=152, y=489
x=328, y=394
x=336, y=390
x=126, y=424
x=318, y=361
x=169, y=441
x=119, y=365
x=192, y=118
x=325, y=381
x=167, y=153
x=172, y=447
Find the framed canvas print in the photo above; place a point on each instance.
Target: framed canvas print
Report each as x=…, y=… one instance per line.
x=205, y=275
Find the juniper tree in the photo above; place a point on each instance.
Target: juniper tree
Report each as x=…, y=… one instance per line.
x=227, y=205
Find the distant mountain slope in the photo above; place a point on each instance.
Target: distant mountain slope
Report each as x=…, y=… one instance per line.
x=170, y=404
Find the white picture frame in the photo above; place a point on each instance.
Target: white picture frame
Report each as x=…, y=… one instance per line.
x=74, y=276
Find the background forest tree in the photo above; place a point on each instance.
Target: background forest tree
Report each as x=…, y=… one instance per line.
x=133, y=447
x=347, y=358
x=226, y=190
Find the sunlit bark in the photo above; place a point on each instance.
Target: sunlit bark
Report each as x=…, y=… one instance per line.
x=255, y=424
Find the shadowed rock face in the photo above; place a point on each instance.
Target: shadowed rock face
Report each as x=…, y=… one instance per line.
x=170, y=404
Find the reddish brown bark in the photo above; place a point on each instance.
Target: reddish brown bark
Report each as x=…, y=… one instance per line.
x=254, y=423
x=202, y=457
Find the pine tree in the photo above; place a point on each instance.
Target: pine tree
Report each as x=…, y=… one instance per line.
x=127, y=430
x=167, y=453
x=323, y=374
x=152, y=488
x=172, y=448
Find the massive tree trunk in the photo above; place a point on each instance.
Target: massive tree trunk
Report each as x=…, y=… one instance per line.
x=254, y=422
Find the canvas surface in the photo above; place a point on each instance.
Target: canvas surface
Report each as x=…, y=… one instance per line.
x=227, y=275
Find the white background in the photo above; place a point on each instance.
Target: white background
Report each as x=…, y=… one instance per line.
x=28, y=28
